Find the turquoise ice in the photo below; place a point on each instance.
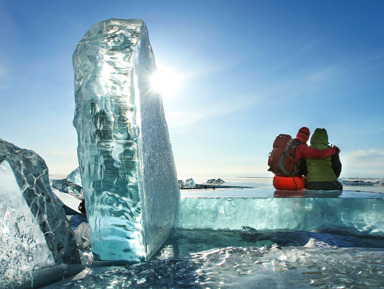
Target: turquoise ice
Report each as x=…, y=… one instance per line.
x=354, y=216
x=35, y=234
x=125, y=157
x=22, y=241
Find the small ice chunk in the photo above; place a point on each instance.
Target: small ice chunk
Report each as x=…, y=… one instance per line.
x=215, y=181
x=190, y=183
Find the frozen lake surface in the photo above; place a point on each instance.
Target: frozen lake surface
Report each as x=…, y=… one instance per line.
x=249, y=258
x=262, y=188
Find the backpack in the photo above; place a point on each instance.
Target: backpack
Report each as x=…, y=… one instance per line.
x=281, y=159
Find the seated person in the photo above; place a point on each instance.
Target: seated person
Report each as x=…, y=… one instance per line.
x=301, y=152
x=322, y=174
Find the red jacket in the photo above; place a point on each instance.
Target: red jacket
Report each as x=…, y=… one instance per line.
x=305, y=152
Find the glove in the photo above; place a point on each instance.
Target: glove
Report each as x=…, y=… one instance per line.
x=337, y=150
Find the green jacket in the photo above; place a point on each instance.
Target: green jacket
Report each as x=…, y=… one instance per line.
x=320, y=170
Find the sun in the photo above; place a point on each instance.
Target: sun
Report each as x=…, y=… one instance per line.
x=166, y=81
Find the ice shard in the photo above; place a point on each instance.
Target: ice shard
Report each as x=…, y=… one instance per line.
x=31, y=174
x=22, y=241
x=35, y=234
x=125, y=157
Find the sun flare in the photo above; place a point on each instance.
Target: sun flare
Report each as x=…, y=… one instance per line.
x=166, y=81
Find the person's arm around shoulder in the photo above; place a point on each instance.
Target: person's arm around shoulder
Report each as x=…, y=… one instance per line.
x=311, y=153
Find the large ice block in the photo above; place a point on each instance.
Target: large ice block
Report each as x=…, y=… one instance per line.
x=22, y=241
x=355, y=216
x=125, y=157
x=36, y=238
x=31, y=174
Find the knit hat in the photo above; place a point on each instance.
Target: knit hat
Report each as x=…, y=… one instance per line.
x=303, y=134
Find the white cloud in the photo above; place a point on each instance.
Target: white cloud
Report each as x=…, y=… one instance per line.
x=3, y=72
x=180, y=119
x=60, y=162
x=229, y=105
x=4, y=76
x=309, y=47
x=62, y=153
x=322, y=76
x=363, y=163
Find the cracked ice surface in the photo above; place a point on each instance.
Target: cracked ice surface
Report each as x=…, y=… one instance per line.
x=31, y=174
x=23, y=247
x=125, y=157
x=34, y=231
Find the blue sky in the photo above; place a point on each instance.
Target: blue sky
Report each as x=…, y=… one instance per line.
x=245, y=72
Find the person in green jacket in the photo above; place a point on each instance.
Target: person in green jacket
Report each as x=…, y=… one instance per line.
x=322, y=174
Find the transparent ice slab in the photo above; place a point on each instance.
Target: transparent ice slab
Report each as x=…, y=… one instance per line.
x=350, y=215
x=31, y=174
x=125, y=157
x=35, y=234
x=23, y=247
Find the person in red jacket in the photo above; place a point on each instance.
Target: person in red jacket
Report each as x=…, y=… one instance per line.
x=302, y=152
